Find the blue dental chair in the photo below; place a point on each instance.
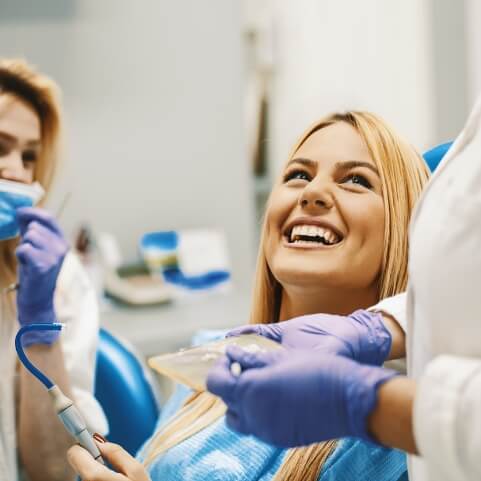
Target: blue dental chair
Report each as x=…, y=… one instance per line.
x=435, y=155
x=126, y=394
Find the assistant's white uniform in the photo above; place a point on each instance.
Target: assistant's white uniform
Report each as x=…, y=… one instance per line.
x=76, y=306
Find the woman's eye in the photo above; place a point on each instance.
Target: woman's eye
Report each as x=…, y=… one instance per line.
x=29, y=156
x=297, y=175
x=358, y=180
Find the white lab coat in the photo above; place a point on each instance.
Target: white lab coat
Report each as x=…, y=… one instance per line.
x=444, y=315
x=75, y=305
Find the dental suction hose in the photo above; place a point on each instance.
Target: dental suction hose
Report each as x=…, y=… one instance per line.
x=64, y=406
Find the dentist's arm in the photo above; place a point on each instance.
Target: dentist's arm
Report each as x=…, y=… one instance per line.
x=365, y=336
x=437, y=417
x=296, y=398
x=43, y=441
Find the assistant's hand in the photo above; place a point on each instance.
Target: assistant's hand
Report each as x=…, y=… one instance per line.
x=129, y=469
x=361, y=336
x=295, y=398
x=40, y=255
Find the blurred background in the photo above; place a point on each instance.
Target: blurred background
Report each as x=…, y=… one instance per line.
x=180, y=113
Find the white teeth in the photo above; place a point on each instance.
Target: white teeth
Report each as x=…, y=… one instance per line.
x=313, y=231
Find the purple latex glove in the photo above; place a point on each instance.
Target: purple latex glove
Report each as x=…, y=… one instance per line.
x=297, y=397
x=361, y=336
x=40, y=255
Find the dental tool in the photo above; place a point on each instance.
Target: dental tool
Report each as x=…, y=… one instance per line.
x=64, y=406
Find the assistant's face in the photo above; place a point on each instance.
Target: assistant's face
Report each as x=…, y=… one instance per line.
x=20, y=136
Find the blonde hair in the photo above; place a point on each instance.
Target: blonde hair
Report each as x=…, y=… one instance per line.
x=23, y=82
x=403, y=174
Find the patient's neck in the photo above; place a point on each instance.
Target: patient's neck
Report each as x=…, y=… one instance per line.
x=301, y=301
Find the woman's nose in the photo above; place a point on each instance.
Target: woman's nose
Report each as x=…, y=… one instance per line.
x=11, y=167
x=316, y=196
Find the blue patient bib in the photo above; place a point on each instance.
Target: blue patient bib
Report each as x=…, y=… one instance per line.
x=219, y=454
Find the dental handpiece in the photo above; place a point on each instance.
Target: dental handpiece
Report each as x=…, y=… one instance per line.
x=64, y=407
x=74, y=422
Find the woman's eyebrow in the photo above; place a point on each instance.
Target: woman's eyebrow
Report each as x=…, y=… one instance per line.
x=7, y=137
x=351, y=164
x=302, y=160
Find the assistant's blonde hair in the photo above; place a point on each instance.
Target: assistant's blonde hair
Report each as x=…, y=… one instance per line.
x=23, y=82
x=403, y=174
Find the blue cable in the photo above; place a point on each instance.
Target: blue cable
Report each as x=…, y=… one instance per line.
x=23, y=357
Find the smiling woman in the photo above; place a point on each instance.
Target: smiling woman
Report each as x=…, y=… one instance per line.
x=334, y=240
x=325, y=222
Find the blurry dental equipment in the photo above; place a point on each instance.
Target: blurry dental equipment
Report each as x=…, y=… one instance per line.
x=174, y=265
x=14, y=195
x=191, y=260
x=191, y=366
x=130, y=283
x=64, y=406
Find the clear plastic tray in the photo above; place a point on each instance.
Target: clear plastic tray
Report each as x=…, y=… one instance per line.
x=191, y=366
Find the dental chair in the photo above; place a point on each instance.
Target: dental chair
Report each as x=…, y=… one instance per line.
x=125, y=390
x=435, y=155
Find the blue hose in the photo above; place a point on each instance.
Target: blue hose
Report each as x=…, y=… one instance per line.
x=23, y=357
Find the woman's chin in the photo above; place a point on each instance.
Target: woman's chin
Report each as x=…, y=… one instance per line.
x=308, y=277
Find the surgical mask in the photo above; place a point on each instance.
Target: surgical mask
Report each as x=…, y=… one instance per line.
x=14, y=195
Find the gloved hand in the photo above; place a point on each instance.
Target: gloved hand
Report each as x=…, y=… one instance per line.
x=40, y=255
x=361, y=336
x=297, y=397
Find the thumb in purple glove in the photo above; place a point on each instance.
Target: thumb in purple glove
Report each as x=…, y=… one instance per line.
x=361, y=336
x=295, y=398
x=40, y=255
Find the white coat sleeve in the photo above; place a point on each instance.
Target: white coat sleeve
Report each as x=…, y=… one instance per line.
x=447, y=418
x=76, y=306
x=395, y=306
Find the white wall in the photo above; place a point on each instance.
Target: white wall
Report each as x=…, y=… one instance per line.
x=342, y=54
x=348, y=54
x=153, y=95
x=473, y=40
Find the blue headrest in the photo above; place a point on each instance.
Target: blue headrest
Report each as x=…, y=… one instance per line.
x=434, y=156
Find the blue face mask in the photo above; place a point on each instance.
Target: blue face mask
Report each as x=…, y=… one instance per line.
x=12, y=196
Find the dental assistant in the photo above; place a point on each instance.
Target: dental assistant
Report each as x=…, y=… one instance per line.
x=308, y=395
x=52, y=286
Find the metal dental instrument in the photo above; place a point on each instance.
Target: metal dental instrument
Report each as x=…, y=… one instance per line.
x=64, y=406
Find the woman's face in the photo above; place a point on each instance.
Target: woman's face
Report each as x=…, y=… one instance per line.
x=20, y=136
x=325, y=219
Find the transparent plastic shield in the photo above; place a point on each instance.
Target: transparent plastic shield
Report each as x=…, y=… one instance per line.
x=191, y=366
